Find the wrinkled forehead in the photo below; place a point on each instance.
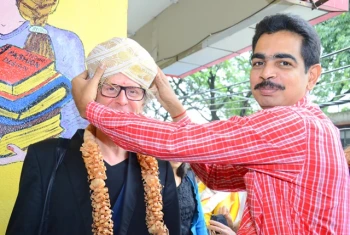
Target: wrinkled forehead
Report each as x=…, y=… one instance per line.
x=119, y=79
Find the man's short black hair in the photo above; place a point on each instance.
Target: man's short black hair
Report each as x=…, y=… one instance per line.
x=311, y=45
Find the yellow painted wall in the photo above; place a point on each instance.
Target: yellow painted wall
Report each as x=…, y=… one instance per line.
x=8, y=191
x=94, y=22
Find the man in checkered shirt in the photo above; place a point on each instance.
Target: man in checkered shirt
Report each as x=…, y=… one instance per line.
x=288, y=156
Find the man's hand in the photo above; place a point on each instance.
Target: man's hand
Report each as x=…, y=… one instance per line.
x=84, y=90
x=219, y=228
x=166, y=95
x=225, y=211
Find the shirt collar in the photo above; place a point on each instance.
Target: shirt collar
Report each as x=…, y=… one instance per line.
x=303, y=101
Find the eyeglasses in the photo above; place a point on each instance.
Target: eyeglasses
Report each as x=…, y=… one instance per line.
x=131, y=92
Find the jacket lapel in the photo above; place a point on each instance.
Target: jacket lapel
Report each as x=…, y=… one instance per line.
x=133, y=186
x=78, y=177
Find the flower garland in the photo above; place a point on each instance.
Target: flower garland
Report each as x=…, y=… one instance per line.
x=153, y=197
x=101, y=206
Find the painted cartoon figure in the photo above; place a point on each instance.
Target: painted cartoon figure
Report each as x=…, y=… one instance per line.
x=23, y=24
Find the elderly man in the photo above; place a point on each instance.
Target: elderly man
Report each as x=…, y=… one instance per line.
x=99, y=187
x=288, y=156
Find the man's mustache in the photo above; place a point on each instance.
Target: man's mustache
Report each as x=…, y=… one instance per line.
x=268, y=83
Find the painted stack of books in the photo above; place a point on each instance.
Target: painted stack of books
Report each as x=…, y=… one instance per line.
x=32, y=94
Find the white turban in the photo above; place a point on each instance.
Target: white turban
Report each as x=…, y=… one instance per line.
x=123, y=55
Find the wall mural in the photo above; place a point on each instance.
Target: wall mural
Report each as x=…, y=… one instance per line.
x=36, y=66
x=37, y=63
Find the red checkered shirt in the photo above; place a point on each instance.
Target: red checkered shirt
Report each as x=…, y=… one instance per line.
x=288, y=159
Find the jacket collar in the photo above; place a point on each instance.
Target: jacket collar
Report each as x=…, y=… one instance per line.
x=78, y=177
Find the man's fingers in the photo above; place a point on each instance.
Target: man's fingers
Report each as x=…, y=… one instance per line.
x=79, y=81
x=161, y=78
x=224, y=209
x=98, y=74
x=85, y=91
x=215, y=228
x=227, y=216
x=92, y=85
x=84, y=75
x=216, y=223
x=160, y=73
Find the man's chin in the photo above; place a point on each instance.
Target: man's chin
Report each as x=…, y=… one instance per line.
x=268, y=102
x=267, y=107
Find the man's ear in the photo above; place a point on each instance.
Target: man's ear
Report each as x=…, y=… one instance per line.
x=314, y=73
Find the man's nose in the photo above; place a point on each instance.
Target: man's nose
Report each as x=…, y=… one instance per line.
x=269, y=71
x=121, y=98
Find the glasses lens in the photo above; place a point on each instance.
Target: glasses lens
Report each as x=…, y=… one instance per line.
x=134, y=93
x=110, y=91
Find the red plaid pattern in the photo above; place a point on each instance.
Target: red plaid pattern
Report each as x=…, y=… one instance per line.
x=288, y=159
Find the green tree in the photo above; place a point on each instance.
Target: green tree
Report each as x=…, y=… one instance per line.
x=218, y=92
x=335, y=36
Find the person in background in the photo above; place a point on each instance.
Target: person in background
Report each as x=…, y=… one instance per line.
x=98, y=177
x=192, y=217
x=222, y=223
x=229, y=204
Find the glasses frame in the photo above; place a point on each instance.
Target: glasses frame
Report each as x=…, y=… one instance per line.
x=122, y=88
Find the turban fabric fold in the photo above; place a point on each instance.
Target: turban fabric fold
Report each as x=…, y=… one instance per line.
x=123, y=55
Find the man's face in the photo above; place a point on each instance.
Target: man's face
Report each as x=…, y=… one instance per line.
x=121, y=103
x=278, y=77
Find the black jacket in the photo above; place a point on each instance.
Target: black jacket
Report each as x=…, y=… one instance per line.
x=70, y=206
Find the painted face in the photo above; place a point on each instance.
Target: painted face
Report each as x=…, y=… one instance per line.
x=8, y=10
x=278, y=77
x=121, y=103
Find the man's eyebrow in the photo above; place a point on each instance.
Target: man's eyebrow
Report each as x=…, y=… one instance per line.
x=258, y=56
x=285, y=56
x=275, y=56
x=125, y=86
